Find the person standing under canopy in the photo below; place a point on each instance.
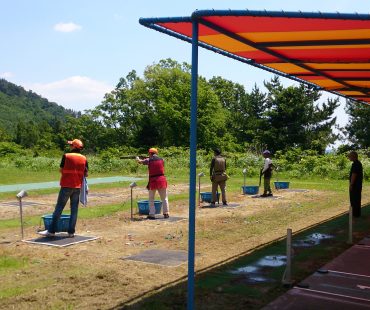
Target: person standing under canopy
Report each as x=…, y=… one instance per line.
x=356, y=176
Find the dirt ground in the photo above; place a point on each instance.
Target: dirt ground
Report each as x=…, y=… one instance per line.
x=93, y=275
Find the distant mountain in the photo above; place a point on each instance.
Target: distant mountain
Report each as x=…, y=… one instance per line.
x=17, y=104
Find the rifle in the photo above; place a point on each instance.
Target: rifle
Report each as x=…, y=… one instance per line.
x=261, y=176
x=132, y=156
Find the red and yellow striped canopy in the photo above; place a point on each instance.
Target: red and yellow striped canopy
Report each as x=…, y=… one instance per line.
x=331, y=51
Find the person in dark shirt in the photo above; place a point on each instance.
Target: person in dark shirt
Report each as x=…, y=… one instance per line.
x=355, y=184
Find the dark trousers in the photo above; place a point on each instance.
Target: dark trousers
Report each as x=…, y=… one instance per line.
x=266, y=185
x=355, y=199
x=66, y=193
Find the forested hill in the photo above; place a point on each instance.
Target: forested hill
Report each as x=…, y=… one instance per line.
x=18, y=105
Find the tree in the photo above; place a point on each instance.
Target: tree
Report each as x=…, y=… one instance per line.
x=155, y=109
x=27, y=134
x=358, y=127
x=296, y=120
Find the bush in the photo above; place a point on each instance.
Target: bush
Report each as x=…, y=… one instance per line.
x=10, y=148
x=292, y=164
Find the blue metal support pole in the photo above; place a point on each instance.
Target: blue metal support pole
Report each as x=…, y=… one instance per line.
x=193, y=158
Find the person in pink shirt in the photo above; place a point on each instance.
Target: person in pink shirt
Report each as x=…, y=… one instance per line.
x=157, y=181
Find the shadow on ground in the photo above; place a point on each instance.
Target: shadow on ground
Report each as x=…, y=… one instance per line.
x=253, y=279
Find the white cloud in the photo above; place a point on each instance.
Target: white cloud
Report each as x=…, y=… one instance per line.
x=67, y=27
x=76, y=92
x=6, y=75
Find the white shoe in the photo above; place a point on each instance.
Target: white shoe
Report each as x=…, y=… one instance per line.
x=46, y=233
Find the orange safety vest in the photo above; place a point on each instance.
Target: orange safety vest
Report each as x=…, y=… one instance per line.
x=73, y=170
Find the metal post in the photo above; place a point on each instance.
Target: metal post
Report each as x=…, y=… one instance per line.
x=19, y=196
x=21, y=213
x=193, y=155
x=131, y=205
x=287, y=278
x=199, y=176
x=199, y=192
x=350, y=226
x=245, y=175
x=132, y=185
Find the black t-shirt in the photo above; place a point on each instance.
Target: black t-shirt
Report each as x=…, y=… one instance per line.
x=357, y=169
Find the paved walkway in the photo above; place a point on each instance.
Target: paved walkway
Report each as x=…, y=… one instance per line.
x=344, y=283
x=43, y=185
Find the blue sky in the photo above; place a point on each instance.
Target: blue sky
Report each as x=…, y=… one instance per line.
x=74, y=51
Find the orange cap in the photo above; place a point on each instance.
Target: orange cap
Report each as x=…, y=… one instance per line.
x=76, y=143
x=153, y=150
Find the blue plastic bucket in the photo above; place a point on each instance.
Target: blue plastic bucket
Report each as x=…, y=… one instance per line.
x=250, y=190
x=281, y=185
x=143, y=206
x=207, y=196
x=62, y=224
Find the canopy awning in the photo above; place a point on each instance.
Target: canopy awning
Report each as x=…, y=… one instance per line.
x=330, y=51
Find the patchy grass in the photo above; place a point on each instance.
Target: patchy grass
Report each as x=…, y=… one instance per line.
x=221, y=288
x=10, y=263
x=92, y=275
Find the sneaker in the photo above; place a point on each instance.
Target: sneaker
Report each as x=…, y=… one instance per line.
x=150, y=217
x=264, y=195
x=166, y=216
x=71, y=235
x=224, y=204
x=46, y=233
x=270, y=195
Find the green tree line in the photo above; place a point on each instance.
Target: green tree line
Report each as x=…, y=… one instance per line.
x=154, y=109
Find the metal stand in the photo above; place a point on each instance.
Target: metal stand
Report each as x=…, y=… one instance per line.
x=350, y=226
x=199, y=176
x=245, y=175
x=132, y=185
x=287, y=277
x=19, y=196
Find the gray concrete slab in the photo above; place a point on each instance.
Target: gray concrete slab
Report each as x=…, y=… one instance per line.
x=170, y=258
x=169, y=219
x=294, y=190
x=24, y=204
x=60, y=240
x=268, y=197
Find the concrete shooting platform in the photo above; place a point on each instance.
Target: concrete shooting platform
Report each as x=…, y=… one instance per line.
x=162, y=219
x=229, y=205
x=170, y=258
x=293, y=190
x=60, y=240
x=268, y=197
x=24, y=204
